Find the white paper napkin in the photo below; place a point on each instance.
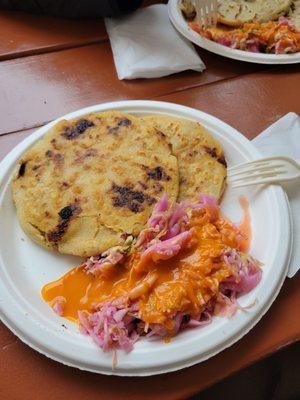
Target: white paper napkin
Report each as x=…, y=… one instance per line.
x=283, y=139
x=146, y=45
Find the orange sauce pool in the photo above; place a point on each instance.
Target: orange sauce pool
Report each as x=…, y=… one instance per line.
x=185, y=283
x=82, y=291
x=245, y=225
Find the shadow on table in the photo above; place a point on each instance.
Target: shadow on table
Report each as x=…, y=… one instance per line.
x=275, y=378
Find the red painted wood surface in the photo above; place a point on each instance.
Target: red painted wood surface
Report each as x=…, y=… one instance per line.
x=249, y=103
x=35, y=89
x=24, y=34
x=40, y=88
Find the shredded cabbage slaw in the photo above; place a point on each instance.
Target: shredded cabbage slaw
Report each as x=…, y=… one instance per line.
x=277, y=37
x=185, y=266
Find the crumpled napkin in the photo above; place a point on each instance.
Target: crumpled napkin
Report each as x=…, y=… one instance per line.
x=146, y=45
x=283, y=139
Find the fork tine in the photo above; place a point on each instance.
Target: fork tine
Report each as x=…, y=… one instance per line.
x=250, y=167
x=258, y=182
x=249, y=171
x=198, y=12
x=202, y=11
x=256, y=177
x=213, y=12
x=215, y=9
x=205, y=12
x=262, y=160
x=210, y=12
x=202, y=17
x=205, y=6
x=269, y=160
x=256, y=163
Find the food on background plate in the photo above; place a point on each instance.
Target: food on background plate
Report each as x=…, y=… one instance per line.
x=188, y=264
x=260, y=26
x=279, y=37
x=294, y=14
x=237, y=12
x=90, y=181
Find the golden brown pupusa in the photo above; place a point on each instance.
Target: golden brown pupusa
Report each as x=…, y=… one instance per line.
x=90, y=180
x=201, y=160
x=87, y=181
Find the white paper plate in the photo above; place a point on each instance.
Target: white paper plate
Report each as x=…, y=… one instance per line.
x=181, y=25
x=25, y=267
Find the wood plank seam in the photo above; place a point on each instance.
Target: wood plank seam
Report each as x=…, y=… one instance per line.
x=259, y=357
x=50, y=49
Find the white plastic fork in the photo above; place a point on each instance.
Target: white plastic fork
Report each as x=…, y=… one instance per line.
x=206, y=12
x=263, y=171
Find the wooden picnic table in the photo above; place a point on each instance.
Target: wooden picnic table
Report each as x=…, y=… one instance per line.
x=49, y=67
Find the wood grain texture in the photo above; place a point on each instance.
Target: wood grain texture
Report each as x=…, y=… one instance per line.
x=248, y=103
x=37, y=89
x=24, y=34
